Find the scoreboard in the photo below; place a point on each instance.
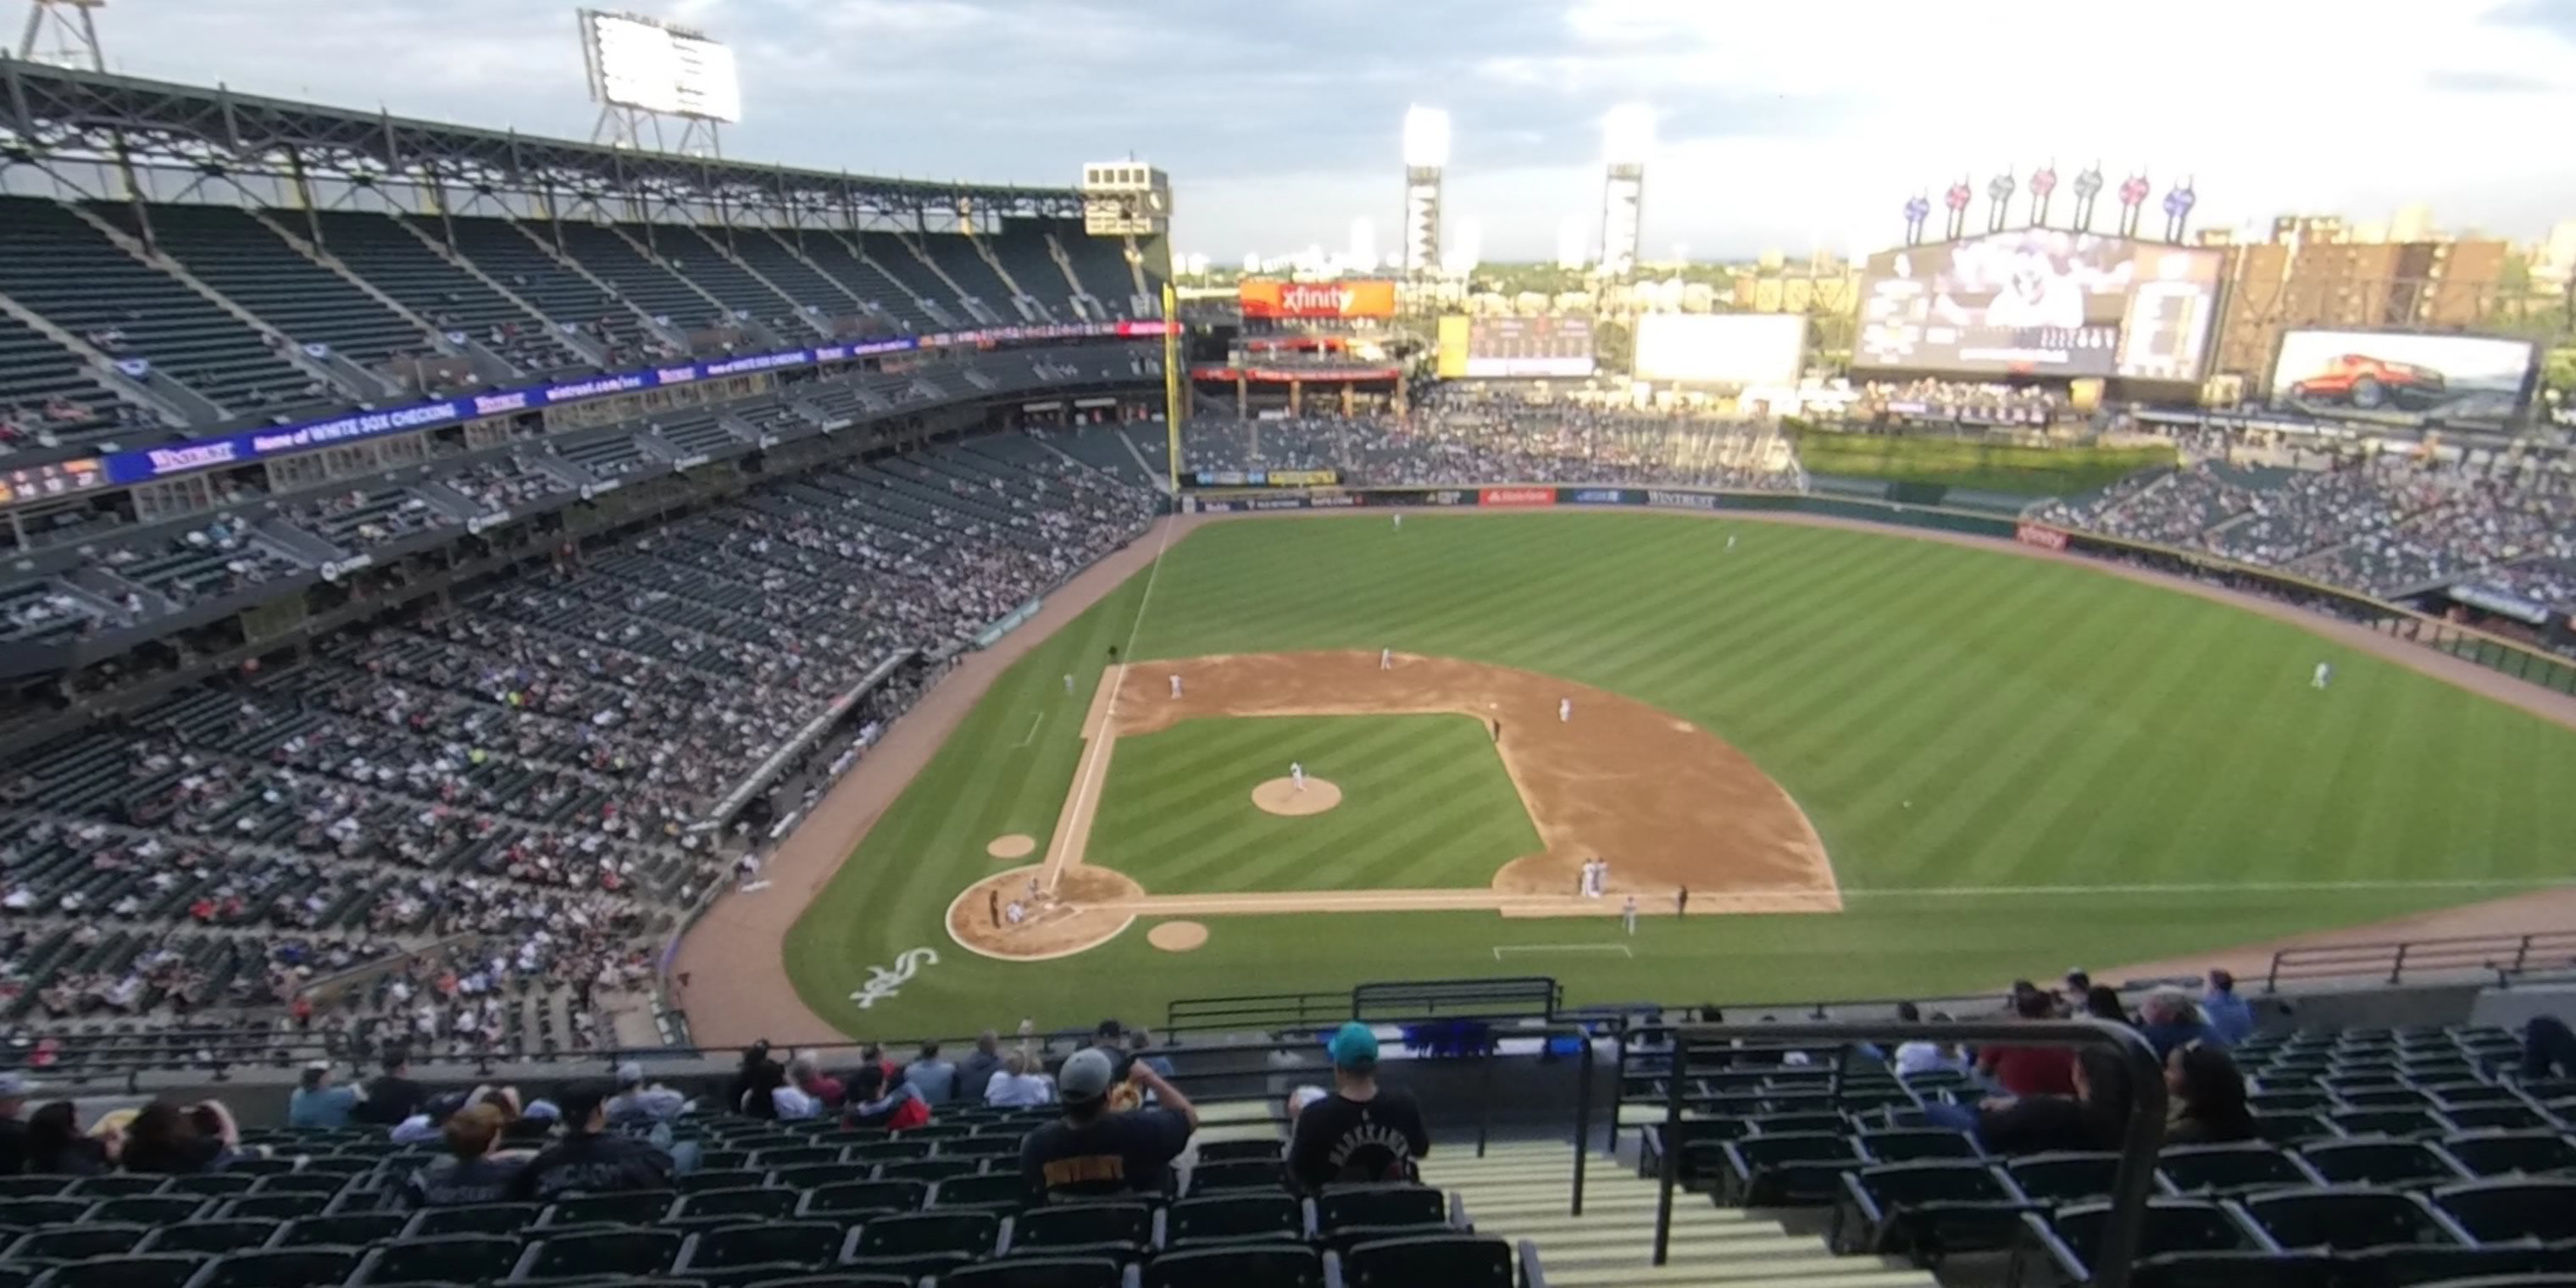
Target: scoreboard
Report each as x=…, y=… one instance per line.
x=1516, y=348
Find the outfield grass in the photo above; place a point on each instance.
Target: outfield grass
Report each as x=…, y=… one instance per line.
x=1972, y=463
x=1425, y=803
x=1986, y=743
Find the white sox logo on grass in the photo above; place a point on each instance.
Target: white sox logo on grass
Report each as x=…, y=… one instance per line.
x=883, y=983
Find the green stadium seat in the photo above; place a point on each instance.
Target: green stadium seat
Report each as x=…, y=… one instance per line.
x=811, y=1176
x=2061, y=1248
x=1244, y=1174
x=2511, y=1115
x=1916, y=1145
x=2255, y=1269
x=1006, y=1192
x=598, y=1250
x=808, y=1243
x=1790, y=1169
x=838, y=1279
x=2499, y=1211
x=213, y=1236
x=2349, y=1219
x=795, y=1156
x=309, y=1267
x=173, y=1270
x=863, y=1198
x=2401, y=1267
x=1450, y=1260
x=34, y=1187
x=28, y=1214
x=352, y=1229
x=1927, y=1210
x=740, y=1178
x=1065, y=1229
x=986, y=1147
x=1233, y=1218
x=735, y=1206
x=2231, y=1169
x=2062, y=1178
x=446, y=1258
x=211, y=1184
x=114, y=1185
x=301, y=1183
x=2387, y=1122
x=923, y=1243
x=1236, y=1151
x=618, y=1208
x=1257, y=1265
x=148, y=1209
x=2293, y=1129
x=273, y=1207
x=2380, y=1162
x=1351, y=1214
x=76, y=1242
x=1039, y=1272
x=888, y=1151
x=473, y=1218
x=929, y=1169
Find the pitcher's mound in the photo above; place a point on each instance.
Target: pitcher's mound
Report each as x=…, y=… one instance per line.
x=1017, y=845
x=1177, y=936
x=1281, y=796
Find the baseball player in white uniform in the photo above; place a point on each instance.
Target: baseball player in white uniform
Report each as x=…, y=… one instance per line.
x=1386, y=659
x=1297, y=776
x=1628, y=914
x=1564, y=710
x=1176, y=688
x=2323, y=677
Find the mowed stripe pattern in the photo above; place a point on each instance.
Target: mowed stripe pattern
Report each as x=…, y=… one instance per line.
x=1425, y=804
x=1947, y=716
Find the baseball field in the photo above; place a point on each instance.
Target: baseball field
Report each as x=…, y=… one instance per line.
x=1881, y=765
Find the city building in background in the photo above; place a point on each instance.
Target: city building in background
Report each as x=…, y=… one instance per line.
x=1627, y=137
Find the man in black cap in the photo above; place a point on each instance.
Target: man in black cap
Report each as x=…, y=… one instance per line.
x=393, y=1097
x=592, y=1158
x=1091, y=1151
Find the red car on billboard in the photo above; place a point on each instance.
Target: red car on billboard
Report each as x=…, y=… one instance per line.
x=2359, y=380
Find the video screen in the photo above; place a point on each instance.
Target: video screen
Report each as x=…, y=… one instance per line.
x=1527, y=348
x=2404, y=377
x=1722, y=348
x=2040, y=301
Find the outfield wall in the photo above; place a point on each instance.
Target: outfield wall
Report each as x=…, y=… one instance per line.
x=2496, y=653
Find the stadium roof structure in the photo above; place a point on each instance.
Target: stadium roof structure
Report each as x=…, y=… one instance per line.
x=52, y=116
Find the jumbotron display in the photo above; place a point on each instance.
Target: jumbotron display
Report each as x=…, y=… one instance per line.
x=2040, y=302
x=1515, y=348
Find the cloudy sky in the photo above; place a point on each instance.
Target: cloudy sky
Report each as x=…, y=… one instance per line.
x=1781, y=125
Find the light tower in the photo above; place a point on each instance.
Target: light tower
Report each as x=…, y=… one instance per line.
x=63, y=33
x=1426, y=153
x=1627, y=138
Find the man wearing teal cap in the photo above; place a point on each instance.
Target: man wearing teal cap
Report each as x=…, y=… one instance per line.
x=1361, y=1133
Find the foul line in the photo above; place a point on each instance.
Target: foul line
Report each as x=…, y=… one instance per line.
x=1033, y=730
x=2199, y=887
x=1621, y=949
x=1091, y=759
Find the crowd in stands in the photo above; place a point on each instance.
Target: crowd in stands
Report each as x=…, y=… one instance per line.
x=517, y=776
x=1963, y=399
x=1490, y=441
x=2385, y=526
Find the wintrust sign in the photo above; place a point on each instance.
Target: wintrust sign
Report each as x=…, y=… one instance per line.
x=1271, y=298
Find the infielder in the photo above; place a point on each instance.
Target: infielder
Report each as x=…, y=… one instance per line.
x=1399, y=523
x=1297, y=776
x=1564, y=710
x=1386, y=659
x=1628, y=914
x=1176, y=688
x=2323, y=677
x=1068, y=684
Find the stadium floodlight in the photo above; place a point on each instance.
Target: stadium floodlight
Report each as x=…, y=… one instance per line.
x=1628, y=134
x=63, y=33
x=644, y=69
x=1426, y=137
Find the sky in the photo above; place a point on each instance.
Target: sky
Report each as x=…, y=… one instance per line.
x=1797, y=127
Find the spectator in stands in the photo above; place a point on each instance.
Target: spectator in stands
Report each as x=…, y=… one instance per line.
x=393, y=1096
x=2030, y=1070
x=470, y=1174
x=1362, y=1132
x=1140, y=1045
x=637, y=1101
x=2548, y=1049
x=932, y=1078
x=1913, y=1059
x=2171, y=1022
x=57, y=1146
x=2102, y=1002
x=761, y=1080
x=592, y=1158
x=2207, y=1097
x=13, y=1124
x=317, y=1102
x=2230, y=1017
x=165, y=1139
x=1111, y=1037
x=2093, y=1117
x=424, y=1127
x=1017, y=1084
x=896, y=1106
x=975, y=1072
x=1093, y=1151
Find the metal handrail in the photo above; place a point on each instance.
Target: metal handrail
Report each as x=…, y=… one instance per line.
x=2144, y=1134
x=2505, y=955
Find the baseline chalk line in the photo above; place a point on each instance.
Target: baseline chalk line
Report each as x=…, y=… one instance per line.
x=1033, y=730
x=1621, y=949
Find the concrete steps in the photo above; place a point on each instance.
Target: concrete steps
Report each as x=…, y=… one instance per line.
x=1522, y=1191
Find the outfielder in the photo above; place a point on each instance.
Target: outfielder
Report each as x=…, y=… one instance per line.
x=1628, y=914
x=1730, y=541
x=2323, y=677
x=1297, y=776
x=1399, y=523
x=1068, y=683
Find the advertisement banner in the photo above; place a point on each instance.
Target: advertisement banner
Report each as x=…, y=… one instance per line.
x=2031, y=534
x=2404, y=377
x=1722, y=348
x=2040, y=301
x=1266, y=478
x=1263, y=297
x=1516, y=496
x=1604, y=496
x=179, y=458
x=1338, y=373
x=1666, y=499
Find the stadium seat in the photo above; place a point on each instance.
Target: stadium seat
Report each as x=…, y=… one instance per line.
x=211, y=1184
x=2061, y=1178
x=587, y=1209
x=1462, y=1260
x=272, y=1207
x=1916, y=1145
x=2348, y=1220
x=2380, y=1162
x=1124, y=1228
x=169, y=1271
x=28, y=1214
x=113, y=1185
x=2253, y=1269
x=473, y=1218
x=76, y=1242
x=1778, y=1171
x=1039, y=1272
x=1235, y=1151
x=796, y=1156
x=838, y=1279
x=2231, y=1169
x=1349, y=1214
x=864, y=1198
x=33, y=1187
x=2387, y=1122
x=924, y=1243
x=2510, y=1115
x=739, y=1178
x=448, y=1258
x=1260, y=1265
x=353, y=1229
x=887, y=1151
x=2496, y=1211
x=1926, y=1210
x=930, y=1169
x=1244, y=1174
x=2405, y=1267
x=307, y=1267
x=732, y=1207
x=1233, y=1218
x=798, y=1243
x=598, y=1249
x=2532, y=1153
x=212, y=1236
x=2293, y=1129
x=1005, y=1192
x=996, y=1147
x=301, y=1183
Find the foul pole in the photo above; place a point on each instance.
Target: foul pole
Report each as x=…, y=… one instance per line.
x=1173, y=384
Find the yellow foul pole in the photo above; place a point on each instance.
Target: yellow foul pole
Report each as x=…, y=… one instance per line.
x=1174, y=376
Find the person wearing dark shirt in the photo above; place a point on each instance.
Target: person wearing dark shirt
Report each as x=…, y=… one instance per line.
x=164, y=1138
x=975, y=1072
x=1092, y=1151
x=2172, y=1022
x=393, y=1096
x=13, y=1127
x=1362, y=1132
x=2208, y=1097
x=590, y=1157
x=2094, y=1118
x=471, y=1174
x=55, y=1145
